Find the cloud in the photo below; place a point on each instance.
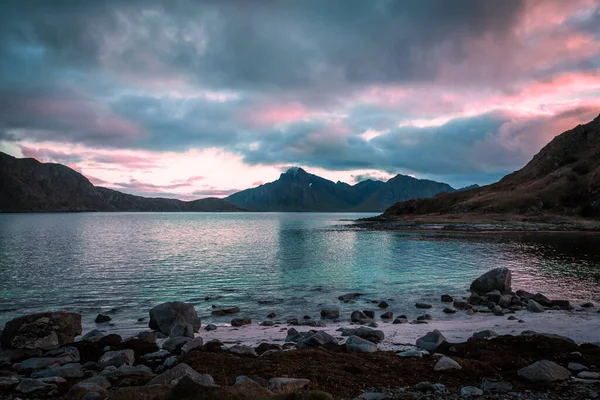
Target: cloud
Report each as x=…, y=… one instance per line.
x=457, y=90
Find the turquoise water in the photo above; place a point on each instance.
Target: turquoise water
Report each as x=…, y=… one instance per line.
x=290, y=263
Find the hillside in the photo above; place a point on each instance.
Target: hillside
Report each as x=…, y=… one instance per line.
x=563, y=179
x=28, y=185
x=297, y=190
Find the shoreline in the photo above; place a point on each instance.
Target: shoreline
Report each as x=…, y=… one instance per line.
x=402, y=336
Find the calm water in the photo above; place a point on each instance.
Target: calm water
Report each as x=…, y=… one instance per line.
x=290, y=263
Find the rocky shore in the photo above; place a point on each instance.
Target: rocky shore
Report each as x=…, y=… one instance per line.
x=365, y=355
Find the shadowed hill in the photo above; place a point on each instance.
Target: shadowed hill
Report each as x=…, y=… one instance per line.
x=28, y=185
x=562, y=179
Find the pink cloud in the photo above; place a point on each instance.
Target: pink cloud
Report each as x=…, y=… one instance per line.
x=258, y=183
x=269, y=115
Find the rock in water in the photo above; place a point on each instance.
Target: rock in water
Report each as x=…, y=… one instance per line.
x=496, y=279
x=39, y=331
x=431, y=341
x=545, y=371
x=237, y=322
x=164, y=316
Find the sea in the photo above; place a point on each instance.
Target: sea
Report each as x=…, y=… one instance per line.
x=292, y=264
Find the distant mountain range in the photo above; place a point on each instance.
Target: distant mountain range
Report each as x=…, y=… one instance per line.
x=297, y=190
x=28, y=185
x=563, y=179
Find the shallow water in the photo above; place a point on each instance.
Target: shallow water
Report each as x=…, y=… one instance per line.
x=290, y=263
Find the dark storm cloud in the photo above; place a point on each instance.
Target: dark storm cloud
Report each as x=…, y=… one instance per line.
x=151, y=75
x=255, y=43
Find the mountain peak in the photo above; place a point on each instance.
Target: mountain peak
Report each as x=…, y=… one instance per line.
x=294, y=172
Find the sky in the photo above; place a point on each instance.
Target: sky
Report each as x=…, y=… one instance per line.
x=192, y=99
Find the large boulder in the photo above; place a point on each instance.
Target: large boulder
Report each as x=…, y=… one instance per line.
x=179, y=371
x=355, y=344
x=431, y=341
x=164, y=316
x=40, y=331
x=496, y=279
x=545, y=371
x=116, y=358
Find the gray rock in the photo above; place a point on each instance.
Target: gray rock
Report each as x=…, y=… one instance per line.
x=505, y=301
x=243, y=351
x=562, y=304
x=446, y=364
x=373, y=335
x=181, y=329
x=496, y=279
x=475, y=299
x=286, y=385
x=387, y=315
x=174, y=345
x=101, y=318
x=369, y=313
x=27, y=386
x=411, y=354
x=292, y=335
x=358, y=316
x=330, y=314
x=400, y=320
x=543, y=300
x=447, y=298
x=423, y=305
x=450, y=310
x=171, y=361
x=116, y=358
x=96, y=384
x=588, y=375
x=485, y=334
x=383, y=304
x=431, y=341
x=544, y=371
x=67, y=371
x=11, y=356
x=165, y=315
x=471, y=391
x=179, y=371
x=494, y=296
x=534, y=306
x=33, y=364
x=315, y=339
x=7, y=382
x=93, y=336
x=157, y=355
x=349, y=296
x=355, y=344
x=424, y=317
x=576, y=367
x=512, y=318
x=40, y=331
x=497, y=310
x=211, y=327
x=462, y=305
x=589, y=304
x=495, y=386
x=240, y=380
x=372, y=396
x=424, y=387
x=226, y=311
x=195, y=344
x=237, y=322
x=68, y=351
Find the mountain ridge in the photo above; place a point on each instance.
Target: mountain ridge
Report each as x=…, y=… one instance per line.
x=27, y=185
x=298, y=190
x=562, y=179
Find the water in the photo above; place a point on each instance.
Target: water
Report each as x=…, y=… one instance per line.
x=293, y=264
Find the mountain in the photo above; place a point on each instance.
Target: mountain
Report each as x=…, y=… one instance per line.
x=297, y=190
x=563, y=179
x=28, y=185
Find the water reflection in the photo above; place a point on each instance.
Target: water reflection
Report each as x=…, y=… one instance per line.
x=289, y=263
